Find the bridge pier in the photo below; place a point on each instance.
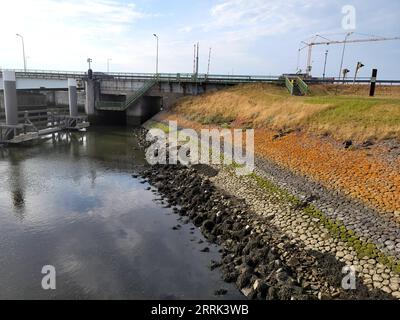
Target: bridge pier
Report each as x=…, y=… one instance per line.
x=10, y=98
x=73, y=98
x=90, y=97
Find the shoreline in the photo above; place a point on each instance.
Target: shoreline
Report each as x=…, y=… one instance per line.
x=259, y=256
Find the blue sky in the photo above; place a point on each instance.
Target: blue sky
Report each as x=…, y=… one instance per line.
x=246, y=36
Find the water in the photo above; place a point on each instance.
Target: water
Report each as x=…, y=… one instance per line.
x=71, y=202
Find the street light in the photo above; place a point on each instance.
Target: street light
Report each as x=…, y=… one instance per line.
x=345, y=72
x=23, y=50
x=108, y=64
x=326, y=57
x=157, y=54
x=89, y=61
x=358, y=67
x=344, y=47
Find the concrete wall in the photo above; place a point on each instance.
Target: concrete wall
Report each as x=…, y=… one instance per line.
x=26, y=99
x=143, y=110
x=127, y=86
x=60, y=98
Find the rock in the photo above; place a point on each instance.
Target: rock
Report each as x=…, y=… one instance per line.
x=390, y=243
x=386, y=289
x=220, y=292
x=206, y=249
x=340, y=254
x=246, y=291
x=208, y=225
x=377, y=278
x=256, y=284
x=394, y=286
x=293, y=262
x=348, y=257
x=347, y=144
x=244, y=279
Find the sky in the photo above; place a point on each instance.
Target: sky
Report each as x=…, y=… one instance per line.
x=252, y=37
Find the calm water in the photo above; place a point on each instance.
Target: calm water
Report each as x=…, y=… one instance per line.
x=70, y=202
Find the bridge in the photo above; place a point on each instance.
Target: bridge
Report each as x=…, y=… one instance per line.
x=133, y=97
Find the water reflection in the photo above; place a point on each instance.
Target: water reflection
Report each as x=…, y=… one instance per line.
x=70, y=201
x=16, y=180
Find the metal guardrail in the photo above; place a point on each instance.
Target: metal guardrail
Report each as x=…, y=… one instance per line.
x=39, y=117
x=183, y=77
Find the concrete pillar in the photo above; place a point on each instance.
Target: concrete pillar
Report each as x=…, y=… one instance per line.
x=10, y=97
x=73, y=98
x=90, y=97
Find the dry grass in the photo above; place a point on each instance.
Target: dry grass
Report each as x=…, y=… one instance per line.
x=344, y=112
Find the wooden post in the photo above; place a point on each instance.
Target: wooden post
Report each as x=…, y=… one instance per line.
x=373, y=82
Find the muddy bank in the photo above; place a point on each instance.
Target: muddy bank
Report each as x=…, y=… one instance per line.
x=262, y=261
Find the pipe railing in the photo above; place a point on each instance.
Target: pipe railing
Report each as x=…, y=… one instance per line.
x=183, y=77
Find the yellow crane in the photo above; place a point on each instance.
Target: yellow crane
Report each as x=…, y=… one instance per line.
x=327, y=41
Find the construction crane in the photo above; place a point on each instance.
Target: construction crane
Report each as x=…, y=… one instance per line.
x=327, y=41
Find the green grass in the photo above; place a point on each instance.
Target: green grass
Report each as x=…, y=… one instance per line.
x=349, y=114
x=360, y=110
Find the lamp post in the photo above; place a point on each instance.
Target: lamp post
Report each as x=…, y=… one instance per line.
x=108, y=64
x=358, y=67
x=23, y=49
x=326, y=57
x=344, y=47
x=89, y=61
x=157, y=54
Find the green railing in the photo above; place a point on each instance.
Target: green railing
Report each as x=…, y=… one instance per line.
x=121, y=106
x=289, y=85
x=302, y=86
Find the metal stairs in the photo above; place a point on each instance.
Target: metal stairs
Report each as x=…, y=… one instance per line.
x=296, y=86
x=130, y=100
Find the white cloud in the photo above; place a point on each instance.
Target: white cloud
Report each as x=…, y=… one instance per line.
x=257, y=18
x=68, y=30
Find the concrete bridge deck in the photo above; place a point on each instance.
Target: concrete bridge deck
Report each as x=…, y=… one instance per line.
x=57, y=80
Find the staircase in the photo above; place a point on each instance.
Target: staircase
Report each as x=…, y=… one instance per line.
x=130, y=100
x=296, y=86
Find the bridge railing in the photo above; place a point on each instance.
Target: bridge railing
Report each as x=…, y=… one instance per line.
x=183, y=77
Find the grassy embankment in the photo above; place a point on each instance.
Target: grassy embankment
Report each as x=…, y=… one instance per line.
x=343, y=112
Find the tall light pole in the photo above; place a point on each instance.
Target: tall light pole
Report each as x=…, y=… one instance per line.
x=89, y=61
x=209, y=61
x=108, y=64
x=23, y=49
x=358, y=67
x=326, y=57
x=157, y=54
x=344, y=47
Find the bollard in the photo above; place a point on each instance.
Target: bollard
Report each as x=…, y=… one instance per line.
x=73, y=98
x=10, y=97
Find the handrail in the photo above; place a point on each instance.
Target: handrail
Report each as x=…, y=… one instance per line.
x=182, y=77
x=302, y=86
x=121, y=106
x=289, y=85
